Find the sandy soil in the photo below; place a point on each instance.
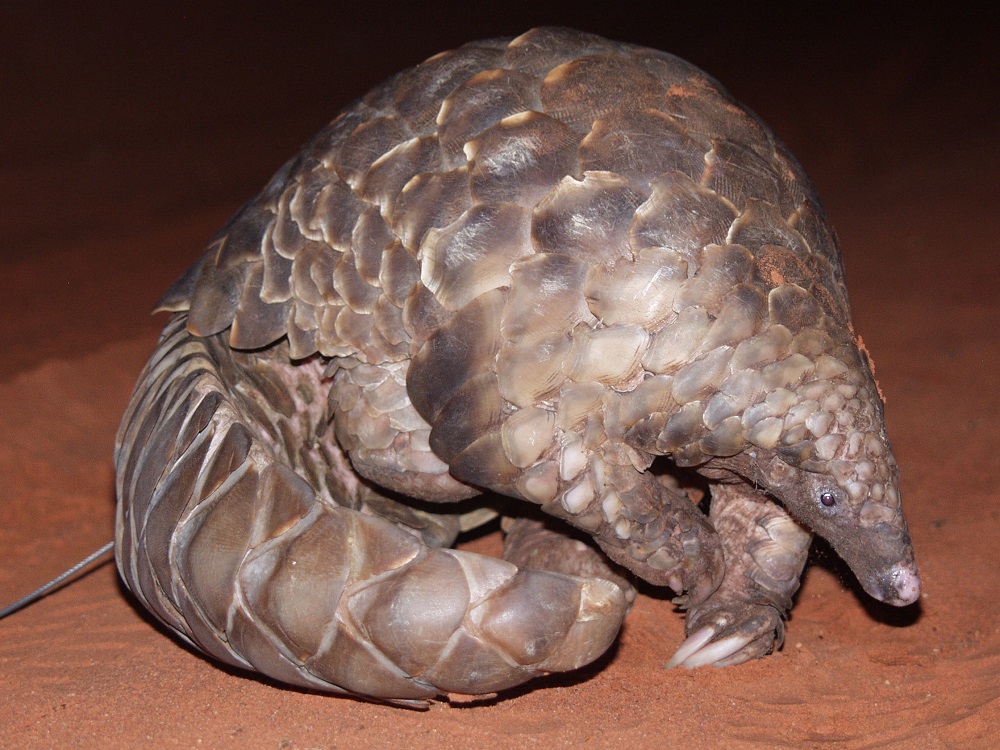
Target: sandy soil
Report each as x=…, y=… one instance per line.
x=131, y=135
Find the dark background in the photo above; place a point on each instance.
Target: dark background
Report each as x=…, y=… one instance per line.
x=230, y=91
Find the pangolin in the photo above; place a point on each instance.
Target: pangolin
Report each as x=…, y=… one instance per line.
x=552, y=268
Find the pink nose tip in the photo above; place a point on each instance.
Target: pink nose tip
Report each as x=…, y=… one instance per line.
x=906, y=582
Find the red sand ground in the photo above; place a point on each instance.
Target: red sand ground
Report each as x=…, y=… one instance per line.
x=131, y=135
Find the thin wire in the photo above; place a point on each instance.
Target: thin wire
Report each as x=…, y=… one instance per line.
x=43, y=590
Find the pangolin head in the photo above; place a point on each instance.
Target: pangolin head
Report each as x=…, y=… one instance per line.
x=799, y=415
x=833, y=468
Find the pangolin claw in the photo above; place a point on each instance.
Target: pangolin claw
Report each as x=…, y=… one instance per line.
x=701, y=649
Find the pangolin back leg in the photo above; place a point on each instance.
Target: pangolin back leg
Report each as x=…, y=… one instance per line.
x=532, y=544
x=242, y=528
x=765, y=551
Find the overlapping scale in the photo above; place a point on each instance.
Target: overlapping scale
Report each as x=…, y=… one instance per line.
x=519, y=159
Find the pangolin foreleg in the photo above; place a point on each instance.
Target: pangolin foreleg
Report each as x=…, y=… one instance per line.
x=765, y=551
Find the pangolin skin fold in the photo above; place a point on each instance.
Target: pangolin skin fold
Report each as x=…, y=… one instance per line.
x=526, y=267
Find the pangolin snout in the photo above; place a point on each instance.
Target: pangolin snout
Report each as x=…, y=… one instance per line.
x=899, y=586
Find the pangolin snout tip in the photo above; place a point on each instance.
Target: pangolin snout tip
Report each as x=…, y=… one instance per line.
x=901, y=585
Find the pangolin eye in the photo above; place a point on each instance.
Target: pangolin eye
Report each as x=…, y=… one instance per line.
x=828, y=499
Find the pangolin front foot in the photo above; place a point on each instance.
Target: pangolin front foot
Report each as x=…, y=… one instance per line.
x=765, y=551
x=730, y=633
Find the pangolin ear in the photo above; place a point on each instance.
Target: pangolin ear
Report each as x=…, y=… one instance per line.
x=776, y=472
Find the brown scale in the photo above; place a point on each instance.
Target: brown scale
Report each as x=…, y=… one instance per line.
x=528, y=267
